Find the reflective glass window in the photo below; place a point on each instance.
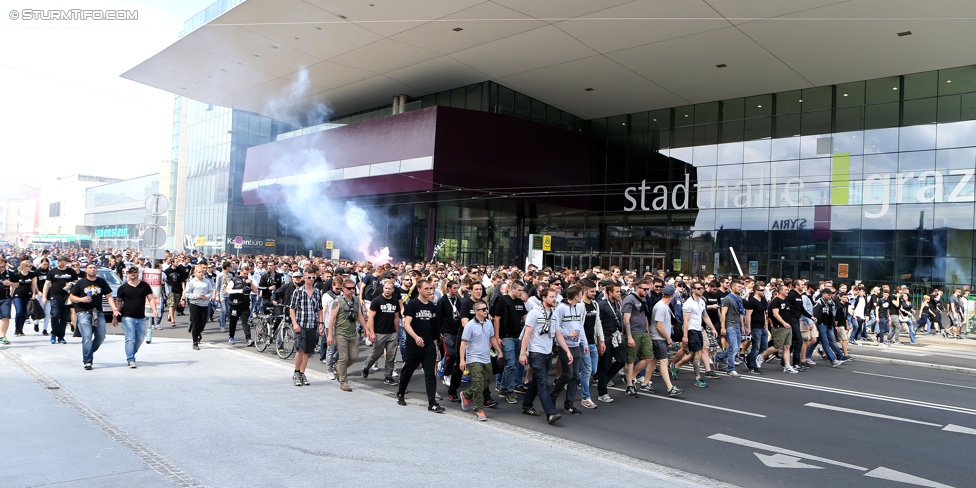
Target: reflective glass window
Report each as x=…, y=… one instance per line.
x=756, y=150
x=816, y=123
x=849, y=95
x=957, y=80
x=758, y=128
x=816, y=99
x=949, y=108
x=919, y=112
x=787, y=125
x=790, y=102
x=881, y=116
x=882, y=90
x=785, y=148
x=921, y=85
x=849, y=119
x=917, y=138
x=759, y=106
x=684, y=116
x=733, y=109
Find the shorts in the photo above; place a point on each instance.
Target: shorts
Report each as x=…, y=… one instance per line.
x=306, y=340
x=781, y=337
x=808, y=331
x=642, y=348
x=171, y=300
x=694, y=340
x=660, y=349
x=842, y=334
x=5, y=304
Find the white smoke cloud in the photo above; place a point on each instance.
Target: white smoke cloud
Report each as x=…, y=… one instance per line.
x=307, y=211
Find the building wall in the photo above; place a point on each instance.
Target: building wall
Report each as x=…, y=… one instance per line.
x=116, y=213
x=62, y=209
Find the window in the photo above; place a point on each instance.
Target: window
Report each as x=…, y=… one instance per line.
x=54, y=210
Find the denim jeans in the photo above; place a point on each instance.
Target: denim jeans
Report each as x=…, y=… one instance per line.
x=60, y=315
x=539, y=386
x=402, y=339
x=591, y=362
x=733, y=335
x=21, y=305
x=570, y=377
x=135, y=333
x=824, y=342
x=924, y=321
x=224, y=310
x=834, y=343
x=855, y=327
x=92, y=335
x=510, y=348
x=870, y=326
x=760, y=342
x=882, y=329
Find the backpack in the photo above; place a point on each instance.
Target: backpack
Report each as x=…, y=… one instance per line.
x=370, y=291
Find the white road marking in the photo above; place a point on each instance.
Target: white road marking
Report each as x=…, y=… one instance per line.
x=913, y=379
x=766, y=447
x=858, y=394
x=784, y=461
x=959, y=428
x=902, y=351
x=869, y=414
x=704, y=405
x=892, y=475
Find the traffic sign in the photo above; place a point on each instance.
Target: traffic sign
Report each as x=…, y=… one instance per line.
x=239, y=240
x=329, y=245
x=157, y=203
x=154, y=237
x=547, y=243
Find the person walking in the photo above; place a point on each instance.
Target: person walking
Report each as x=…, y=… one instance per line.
x=239, y=289
x=420, y=325
x=199, y=291
x=307, y=320
x=477, y=340
x=133, y=295
x=87, y=294
x=346, y=312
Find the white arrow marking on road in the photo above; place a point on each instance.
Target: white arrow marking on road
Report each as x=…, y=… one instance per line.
x=766, y=447
x=960, y=429
x=784, y=461
x=892, y=475
x=869, y=414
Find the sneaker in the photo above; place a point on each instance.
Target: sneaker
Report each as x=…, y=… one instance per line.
x=19, y=334
x=700, y=383
x=376, y=367
x=631, y=392
x=345, y=387
x=330, y=375
x=733, y=373
x=297, y=380
x=759, y=361
x=396, y=373
x=609, y=383
x=572, y=411
x=62, y=341
x=809, y=362
x=132, y=365
x=552, y=419
x=755, y=371
x=790, y=370
x=712, y=374
x=800, y=368
x=196, y=347
x=434, y=407
x=44, y=332
x=36, y=328
x=489, y=403
x=465, y=402
x=510, y=397
x=250, y=343
x=521, y=389
x=365, y=373
x=3, y=340
x=447, y=381
x=223, y=330
x=304, y=379
x=401, y=401
x=390, y=381
x=530, y=411
x=231, y=340
x=836, y=363
x=675, y=391
x=587, y=403
x=647, y=388
x=437, y=396
x=480, y=415
x=656, y=373
x=54, y=339
x=453, y=398
x=605, y=398
x=738, y=361
x=88, y=366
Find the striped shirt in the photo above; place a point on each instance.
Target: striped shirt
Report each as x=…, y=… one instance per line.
x=306, y=307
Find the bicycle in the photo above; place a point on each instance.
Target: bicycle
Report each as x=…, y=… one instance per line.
x=265, y=331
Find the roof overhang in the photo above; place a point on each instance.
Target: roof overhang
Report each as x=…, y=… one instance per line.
x=270, y=56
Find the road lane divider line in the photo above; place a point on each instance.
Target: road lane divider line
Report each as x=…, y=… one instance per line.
x=703, y=405
x=960, y=429
x=868, y=414
x=858, y=394
x=913, y=379
x=766, y=447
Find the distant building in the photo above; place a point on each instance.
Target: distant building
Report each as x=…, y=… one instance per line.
x=62, y=204
x=115, y=213
x=19, y=212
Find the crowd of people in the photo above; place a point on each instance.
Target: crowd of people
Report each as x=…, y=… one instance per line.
x=480, y=324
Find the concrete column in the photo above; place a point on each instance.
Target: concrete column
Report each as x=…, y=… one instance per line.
x=431, y=231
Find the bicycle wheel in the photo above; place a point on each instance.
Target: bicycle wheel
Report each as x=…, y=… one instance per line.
x=286, y=342
x=261, y=335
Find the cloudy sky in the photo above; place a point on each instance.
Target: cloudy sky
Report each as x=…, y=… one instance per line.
x=65, y=109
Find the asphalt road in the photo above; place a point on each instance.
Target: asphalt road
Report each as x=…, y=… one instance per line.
x=863, y=424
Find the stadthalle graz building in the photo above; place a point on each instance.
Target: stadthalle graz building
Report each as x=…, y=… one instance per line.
x=814, y=138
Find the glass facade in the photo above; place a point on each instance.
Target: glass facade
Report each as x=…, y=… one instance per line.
x=116, y=212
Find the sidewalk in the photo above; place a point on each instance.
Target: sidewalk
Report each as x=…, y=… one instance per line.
x=931, y=351
x=228, y=417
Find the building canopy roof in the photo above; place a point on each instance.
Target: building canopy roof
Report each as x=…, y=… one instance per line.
x=634, y=55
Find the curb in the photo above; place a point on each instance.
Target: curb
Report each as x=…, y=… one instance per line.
x=903, y=362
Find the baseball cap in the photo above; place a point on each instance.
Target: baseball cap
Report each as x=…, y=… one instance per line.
x=133, y=269
x=297, y=274
x=668, y=291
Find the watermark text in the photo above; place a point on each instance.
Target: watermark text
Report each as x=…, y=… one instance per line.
x=73, y=14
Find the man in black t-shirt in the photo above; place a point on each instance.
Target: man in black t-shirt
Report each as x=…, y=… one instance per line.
x=133, y=294
x=86, y=295
x=381, y=329
x=781, y=334
x=756, y=323
x=509, y=312
x=56, y=291
x=420, y=325
x=174, y=278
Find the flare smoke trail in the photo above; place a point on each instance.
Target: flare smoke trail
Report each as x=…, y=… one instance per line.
x=307, y=211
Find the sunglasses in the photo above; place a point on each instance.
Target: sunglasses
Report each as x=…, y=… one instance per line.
x=350, y=288
x=645, y=289
x=699, y=288
x=480, y=309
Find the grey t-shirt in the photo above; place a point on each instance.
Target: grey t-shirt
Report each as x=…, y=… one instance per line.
x=733, y=317
x=478, y=337
x=638, y=314
x=661, y=313
x=539, y=319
